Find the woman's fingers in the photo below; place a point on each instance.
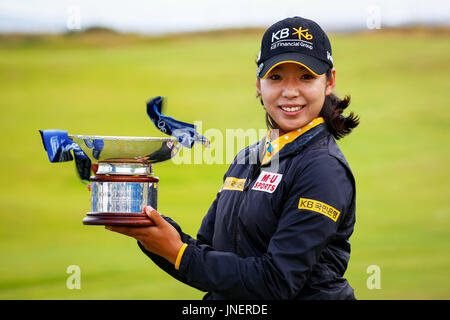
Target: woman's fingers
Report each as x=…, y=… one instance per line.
x=128, y=231
x=162, y=239
x=154, y=215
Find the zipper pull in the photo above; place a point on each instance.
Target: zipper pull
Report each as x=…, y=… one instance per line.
x=252, y=176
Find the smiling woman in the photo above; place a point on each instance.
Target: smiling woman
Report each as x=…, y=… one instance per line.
x=280, y=225
x=295, y=92
x=292, y=95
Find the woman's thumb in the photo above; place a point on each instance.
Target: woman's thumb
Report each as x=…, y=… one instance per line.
x=153, y=215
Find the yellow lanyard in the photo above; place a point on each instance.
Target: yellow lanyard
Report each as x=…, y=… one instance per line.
x=273, y=147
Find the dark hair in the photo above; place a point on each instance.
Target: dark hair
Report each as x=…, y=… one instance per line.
x=331, y=112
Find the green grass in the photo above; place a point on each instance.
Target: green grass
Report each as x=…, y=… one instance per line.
x=98, y=84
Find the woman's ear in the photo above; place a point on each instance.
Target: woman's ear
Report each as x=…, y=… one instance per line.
x=331, y=83
x=258, y=86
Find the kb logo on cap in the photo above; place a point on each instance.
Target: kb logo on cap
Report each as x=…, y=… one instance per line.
x=284, y=33
x=302, y=33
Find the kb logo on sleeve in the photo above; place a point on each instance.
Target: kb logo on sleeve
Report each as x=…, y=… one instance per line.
x=320, y=207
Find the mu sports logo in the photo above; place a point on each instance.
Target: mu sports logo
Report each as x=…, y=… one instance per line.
x=284, y=33
x=267, y=182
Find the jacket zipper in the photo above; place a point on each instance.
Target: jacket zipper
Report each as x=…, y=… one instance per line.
x=251, y=177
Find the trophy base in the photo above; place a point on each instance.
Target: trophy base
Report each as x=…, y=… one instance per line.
x=118, y=219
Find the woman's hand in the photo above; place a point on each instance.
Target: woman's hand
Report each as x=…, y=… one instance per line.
x=161, y=239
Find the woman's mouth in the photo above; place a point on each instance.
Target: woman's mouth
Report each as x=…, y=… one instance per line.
x=292, y=110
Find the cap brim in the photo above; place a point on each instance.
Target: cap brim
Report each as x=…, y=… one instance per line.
x=315, y=66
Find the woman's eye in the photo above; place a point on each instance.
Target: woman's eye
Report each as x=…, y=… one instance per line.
x=274, y=77
x=308, y=76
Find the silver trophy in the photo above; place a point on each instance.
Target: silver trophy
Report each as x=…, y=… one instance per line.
x=123, y=181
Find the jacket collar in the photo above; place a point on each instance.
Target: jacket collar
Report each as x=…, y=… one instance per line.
x=255, y=153
x=291, y=141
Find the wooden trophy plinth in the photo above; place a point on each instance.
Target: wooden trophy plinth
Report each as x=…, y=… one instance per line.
x=120, y=189
x=117, y=219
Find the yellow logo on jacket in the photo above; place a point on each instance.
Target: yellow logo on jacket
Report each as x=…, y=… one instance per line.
x=320, y=207
x=232, y=183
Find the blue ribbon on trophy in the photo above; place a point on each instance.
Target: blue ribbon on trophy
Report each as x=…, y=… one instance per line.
x=60, y=147
x=185, y=132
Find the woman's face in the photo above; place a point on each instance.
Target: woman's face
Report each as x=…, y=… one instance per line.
x=293, y=96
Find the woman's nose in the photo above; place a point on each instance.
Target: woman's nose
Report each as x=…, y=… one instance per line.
x=291, y=91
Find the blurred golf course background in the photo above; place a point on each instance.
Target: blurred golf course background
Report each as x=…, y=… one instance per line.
x=98, y=82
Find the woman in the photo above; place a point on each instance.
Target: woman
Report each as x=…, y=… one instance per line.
x=279, y=227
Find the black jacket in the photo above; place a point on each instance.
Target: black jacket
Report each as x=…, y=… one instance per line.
x=276, y=236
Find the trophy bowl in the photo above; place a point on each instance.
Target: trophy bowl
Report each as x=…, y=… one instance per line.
x=123, y=181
